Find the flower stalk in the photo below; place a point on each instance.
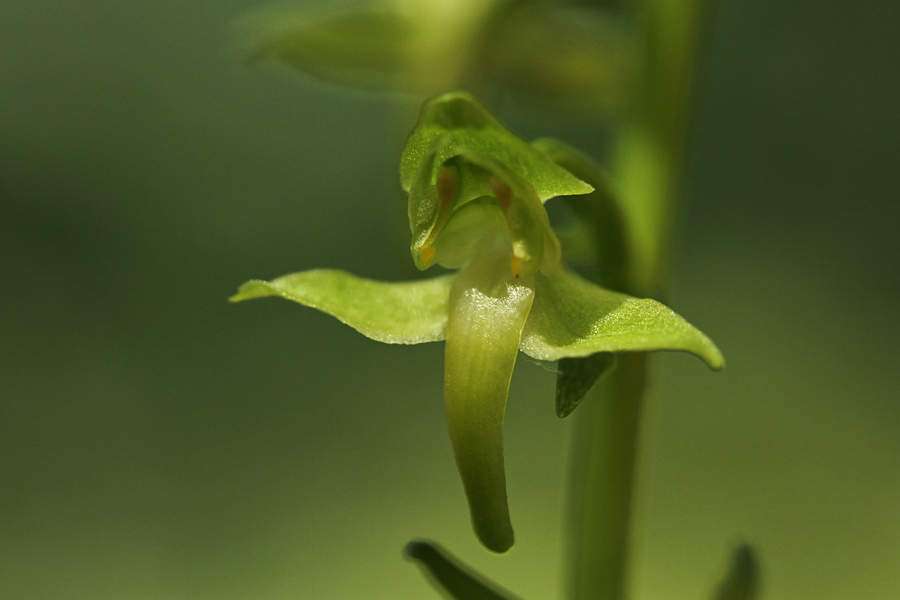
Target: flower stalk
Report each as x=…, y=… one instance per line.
x=602, y=482
x=648, y=163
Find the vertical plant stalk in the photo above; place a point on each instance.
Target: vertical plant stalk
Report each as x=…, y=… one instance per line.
x=606, y=443
x=648, y=162
x=649, y=156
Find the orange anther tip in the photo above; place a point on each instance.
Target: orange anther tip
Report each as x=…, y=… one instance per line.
x=427, y=254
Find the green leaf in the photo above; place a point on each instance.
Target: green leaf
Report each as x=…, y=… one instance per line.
x=742, y=580
x=368, y=48
x=573, y=317
x=447, y=573
x=576, y=376
x=488, y=308
x=455, y=121
x=396, y=313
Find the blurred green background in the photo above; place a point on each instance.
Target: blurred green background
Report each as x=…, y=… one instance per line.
x=157, y=442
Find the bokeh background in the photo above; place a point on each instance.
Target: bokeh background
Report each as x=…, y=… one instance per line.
x=159, y=443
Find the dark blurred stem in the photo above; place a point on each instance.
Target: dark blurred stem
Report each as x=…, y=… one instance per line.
x=606, y=447
x=650, y=150
x=647, y=163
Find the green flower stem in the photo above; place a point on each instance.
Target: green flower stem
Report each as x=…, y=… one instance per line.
x=648, y=162
x=603, y=473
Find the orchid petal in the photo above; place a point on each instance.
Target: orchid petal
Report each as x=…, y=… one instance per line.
x=396, y=313
x=456, y=120
x=573, y=317
x=488, y=308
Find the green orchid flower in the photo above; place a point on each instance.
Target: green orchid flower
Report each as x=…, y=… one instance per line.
x=476, y=194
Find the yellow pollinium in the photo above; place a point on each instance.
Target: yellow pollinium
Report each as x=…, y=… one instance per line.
x=427, y=254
